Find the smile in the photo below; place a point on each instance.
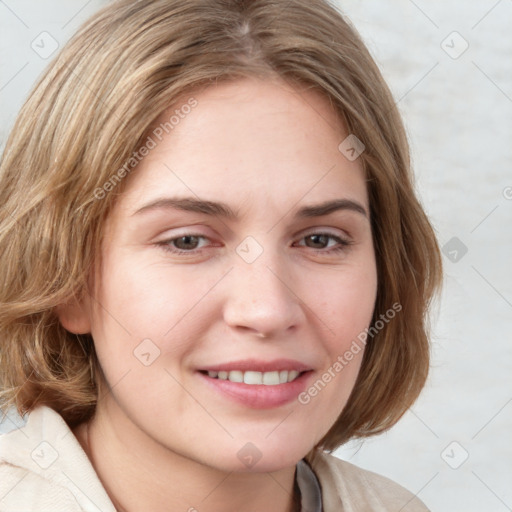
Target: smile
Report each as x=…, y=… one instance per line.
x=272, y=378
x=258, y=384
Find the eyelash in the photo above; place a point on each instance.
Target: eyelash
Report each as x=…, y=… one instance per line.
x=342, y=243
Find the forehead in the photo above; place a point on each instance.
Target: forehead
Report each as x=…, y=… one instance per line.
x=257, y=143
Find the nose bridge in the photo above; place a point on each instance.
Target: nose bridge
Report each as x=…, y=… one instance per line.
x=260, y=296
x=262, y=281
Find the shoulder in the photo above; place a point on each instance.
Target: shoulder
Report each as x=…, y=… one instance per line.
x=356, y=489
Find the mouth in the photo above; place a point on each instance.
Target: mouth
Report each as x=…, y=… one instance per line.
x=254, y=378
x=257, y=384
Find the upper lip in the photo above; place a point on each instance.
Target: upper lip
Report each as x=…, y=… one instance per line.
x=257, y=365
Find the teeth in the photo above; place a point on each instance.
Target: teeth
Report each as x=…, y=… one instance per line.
x=236, y=376
x=292, y=375
x=271, y=378
x=250, y=377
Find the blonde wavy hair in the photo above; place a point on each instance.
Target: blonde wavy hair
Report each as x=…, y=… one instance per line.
x=91, y=110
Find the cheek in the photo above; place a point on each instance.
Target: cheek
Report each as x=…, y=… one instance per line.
x=346, y=305
x=345, y=302
x=142, y=327
x=144, y=297
x=348, y=313
x=137, y=302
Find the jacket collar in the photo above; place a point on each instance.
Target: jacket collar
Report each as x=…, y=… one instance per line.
x=40, y=443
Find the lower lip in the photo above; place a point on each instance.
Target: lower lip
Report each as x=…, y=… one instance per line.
x=259, y=396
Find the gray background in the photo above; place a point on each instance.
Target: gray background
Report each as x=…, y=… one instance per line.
x=453, y=447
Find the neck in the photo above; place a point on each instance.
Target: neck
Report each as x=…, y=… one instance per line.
x=140, y=474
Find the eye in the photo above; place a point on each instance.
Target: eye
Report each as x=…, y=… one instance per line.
x=190, y=243
x=183, y=244
x=322, y=241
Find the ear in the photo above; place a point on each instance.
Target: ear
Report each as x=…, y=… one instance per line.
x=74, y=317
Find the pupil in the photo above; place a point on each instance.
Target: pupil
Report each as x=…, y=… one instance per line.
x=186, y=242
x=318, y=239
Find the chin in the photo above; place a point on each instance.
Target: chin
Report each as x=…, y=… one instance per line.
x=262, y=456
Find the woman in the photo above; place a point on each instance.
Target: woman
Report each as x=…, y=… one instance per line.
x=217, y=269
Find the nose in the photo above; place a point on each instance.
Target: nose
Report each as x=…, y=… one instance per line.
x=261, y=300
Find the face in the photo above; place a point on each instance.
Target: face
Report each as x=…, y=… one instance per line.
x=238, y=268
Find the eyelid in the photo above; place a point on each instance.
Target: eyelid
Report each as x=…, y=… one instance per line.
x=335, y=232
x=172, y=233
x=314, y=230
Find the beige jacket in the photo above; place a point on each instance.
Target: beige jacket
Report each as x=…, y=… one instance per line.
x=44, y=469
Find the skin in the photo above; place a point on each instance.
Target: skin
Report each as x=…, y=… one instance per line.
x=161, y=439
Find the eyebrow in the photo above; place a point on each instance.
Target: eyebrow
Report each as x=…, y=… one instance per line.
x=219, y=209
